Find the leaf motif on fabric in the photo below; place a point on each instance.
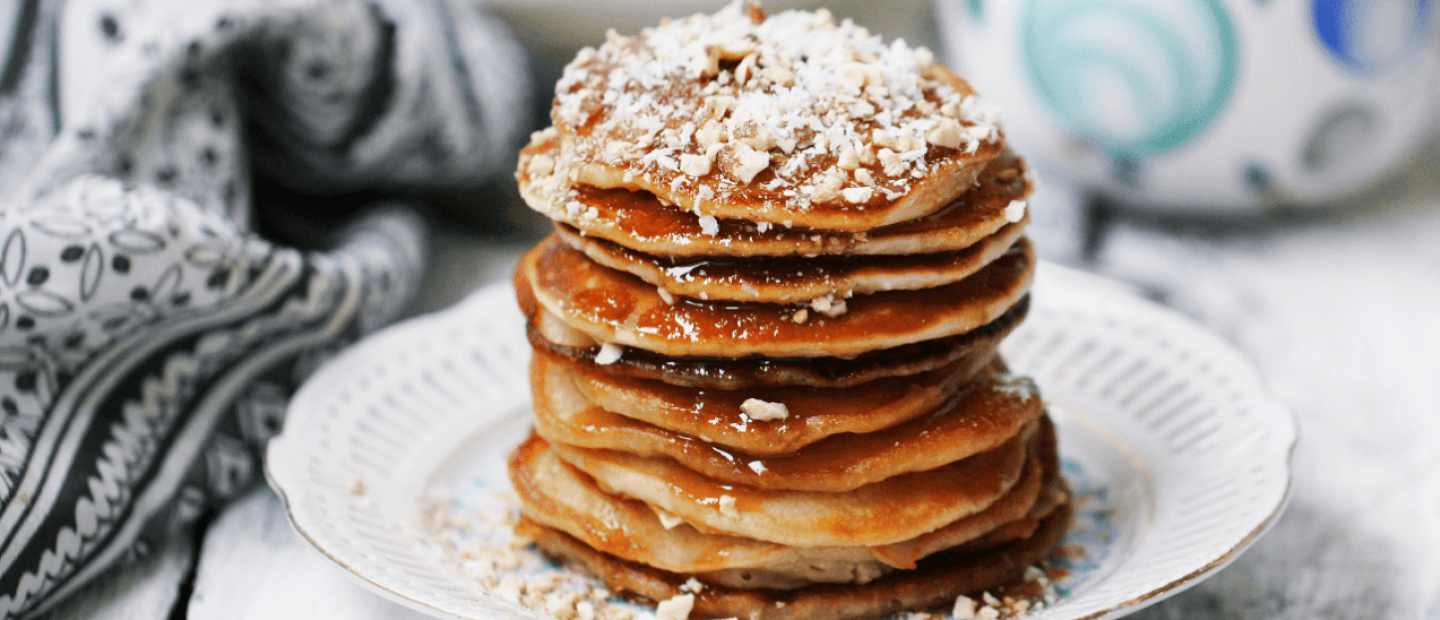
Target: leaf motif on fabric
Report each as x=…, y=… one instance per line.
x=205, y=254
x=61, y=225
x=94, y=267
x=12, y=257
x=137, y=241
x=44, y=303
x=167, y=285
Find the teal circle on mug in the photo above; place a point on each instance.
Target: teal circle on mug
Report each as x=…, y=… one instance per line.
x=1133, y=76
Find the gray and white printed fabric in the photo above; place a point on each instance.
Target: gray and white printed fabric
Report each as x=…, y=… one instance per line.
x=149, y=338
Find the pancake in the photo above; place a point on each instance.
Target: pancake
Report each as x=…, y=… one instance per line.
x=640, y=222
x=1050, y=492
x=792, y=280
x=987, y=414
x=934, y=583
x=771, y=120
x=973, y=350
x=556, y=495
x=715, y=417
x=766, y=328
x=892, y=510
x=614, y=307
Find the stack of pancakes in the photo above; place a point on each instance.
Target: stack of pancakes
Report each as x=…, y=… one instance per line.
x=765, y=330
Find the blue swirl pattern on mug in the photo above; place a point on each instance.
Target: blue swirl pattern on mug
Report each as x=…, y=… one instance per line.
x=1134, y=76
x=1366, y=36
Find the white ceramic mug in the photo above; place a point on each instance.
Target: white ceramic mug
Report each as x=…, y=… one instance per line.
x=1206, y=106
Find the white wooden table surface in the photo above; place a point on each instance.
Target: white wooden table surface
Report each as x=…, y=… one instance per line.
x=1341, y=312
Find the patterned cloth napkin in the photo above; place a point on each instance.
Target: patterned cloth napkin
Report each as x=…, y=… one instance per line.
x=149, y=338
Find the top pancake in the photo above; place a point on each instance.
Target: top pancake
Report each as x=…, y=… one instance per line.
x=791, y=119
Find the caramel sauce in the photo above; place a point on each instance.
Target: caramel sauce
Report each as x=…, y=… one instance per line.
x=638, y=220
x=974, y=349
x=793, y=279
x=891, y=510
x=978, y=419
x=814, y=414
x=612, y=306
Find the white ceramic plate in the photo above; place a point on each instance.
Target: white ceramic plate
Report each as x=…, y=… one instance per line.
x=1180, y=456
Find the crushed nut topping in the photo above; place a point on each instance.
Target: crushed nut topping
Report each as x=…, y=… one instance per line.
x=766, y=108
x=764, y=410
x=609, y=354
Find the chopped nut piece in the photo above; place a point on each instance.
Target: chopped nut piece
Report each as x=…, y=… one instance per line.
x=727, y=506
x=609, y=354
x=666, y=519
x=695, y=165
x=801, y=315
x=1015, y=211
x=848, y=160
x=988, y=613
x=882, y=138
x=540, y=165
x=945, y=133
x=585, y=610
x=665, y=295
x=748, y=162
x=828, y=189
x=736, y=49
x=867, y=155
x=891, y=162
x=755, y=12
x=924, y=58
x=856, y=195
x=779, y=75
x=908, y=143
x=764, y=410
x=864, y=177
x=709, y=225
x=675, y=608
x=745, y=70
x=828, y=306
x=964, y=608
x=750, y=134
x=561, y=605
x=710, y=132
x=692, y=585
